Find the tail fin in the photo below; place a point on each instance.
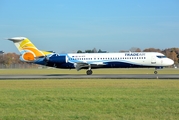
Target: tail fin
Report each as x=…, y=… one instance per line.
x=27, y=48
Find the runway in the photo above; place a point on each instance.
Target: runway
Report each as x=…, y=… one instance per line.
x=95, y=76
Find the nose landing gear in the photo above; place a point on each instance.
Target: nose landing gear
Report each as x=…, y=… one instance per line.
x=156, y=68
x=155, y=72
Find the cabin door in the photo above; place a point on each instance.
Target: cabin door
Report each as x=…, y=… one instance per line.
x=153, y=60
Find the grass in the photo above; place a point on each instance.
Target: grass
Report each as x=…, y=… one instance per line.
x=88, y=99
x=95, y=71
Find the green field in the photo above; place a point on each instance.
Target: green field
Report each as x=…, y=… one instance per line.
x=89, y=99
x=95, y=71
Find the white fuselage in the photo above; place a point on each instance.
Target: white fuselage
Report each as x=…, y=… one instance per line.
x=152, y=59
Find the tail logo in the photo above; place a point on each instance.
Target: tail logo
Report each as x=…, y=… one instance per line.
x=27, y=49
x=28, y=56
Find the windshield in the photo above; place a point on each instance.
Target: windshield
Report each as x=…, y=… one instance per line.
x=161, y=56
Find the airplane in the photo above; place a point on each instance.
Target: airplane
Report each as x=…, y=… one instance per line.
x=1, y=52
x=89, y=61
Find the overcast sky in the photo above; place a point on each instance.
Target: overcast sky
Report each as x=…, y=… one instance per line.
x=70, y=25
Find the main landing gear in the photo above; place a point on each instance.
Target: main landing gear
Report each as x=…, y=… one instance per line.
x=89, y=71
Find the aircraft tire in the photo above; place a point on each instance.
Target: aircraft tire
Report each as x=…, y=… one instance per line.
x=155, y=72
x=89, y=72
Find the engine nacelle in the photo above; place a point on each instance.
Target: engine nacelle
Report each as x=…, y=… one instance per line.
x=57, y=59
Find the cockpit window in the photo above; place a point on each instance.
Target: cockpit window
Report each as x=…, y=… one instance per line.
x=161, y=56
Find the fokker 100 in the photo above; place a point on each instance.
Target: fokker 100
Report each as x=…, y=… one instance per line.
x=89, y=61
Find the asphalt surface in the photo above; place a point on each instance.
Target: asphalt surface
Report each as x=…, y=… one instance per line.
x=95, y=76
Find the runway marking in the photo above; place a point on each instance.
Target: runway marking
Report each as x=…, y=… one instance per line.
x=96, y=76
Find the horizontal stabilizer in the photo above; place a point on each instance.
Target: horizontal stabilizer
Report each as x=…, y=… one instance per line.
x=17, y=39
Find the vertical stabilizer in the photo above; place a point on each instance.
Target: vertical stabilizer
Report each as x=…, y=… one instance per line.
x=26, y=48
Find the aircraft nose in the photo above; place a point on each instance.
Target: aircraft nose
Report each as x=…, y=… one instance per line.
x=170, y=62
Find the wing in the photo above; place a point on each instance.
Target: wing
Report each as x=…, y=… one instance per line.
x=80, y=65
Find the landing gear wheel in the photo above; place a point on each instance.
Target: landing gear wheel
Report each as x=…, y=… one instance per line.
x=89, y=72
x=155, y=72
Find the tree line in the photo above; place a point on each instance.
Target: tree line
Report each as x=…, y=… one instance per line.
x=94, y=50
x=8, y=59
x=12, y=59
